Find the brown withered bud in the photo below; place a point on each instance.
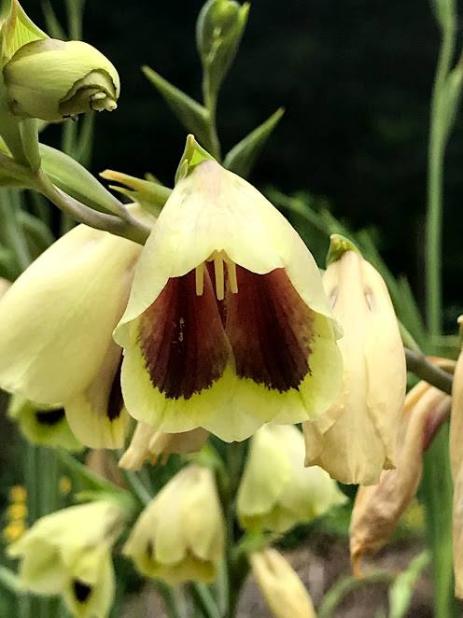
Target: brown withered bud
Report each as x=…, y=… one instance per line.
x=378, y=508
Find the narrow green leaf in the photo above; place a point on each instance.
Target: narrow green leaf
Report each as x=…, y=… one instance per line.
x=192, y=115
x=243, y=156
x=401, y=591
x=71, y=177
x=54, y=27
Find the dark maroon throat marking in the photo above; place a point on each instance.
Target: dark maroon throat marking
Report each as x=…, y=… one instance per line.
x=49, y=417
x=115, y=399
x=264, y=330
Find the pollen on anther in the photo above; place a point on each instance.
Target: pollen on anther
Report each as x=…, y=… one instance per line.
x=199, y=279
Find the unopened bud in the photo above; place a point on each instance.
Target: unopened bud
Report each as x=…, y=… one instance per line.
x=361, y=440
x=281, y=586
x=51, y=80
x=218, y=33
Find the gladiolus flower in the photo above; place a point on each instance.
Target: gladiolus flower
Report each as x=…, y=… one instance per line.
x=69, y=553
x=362, y=437
x=456, y=461
x=149, y=445
x=180, y=534
x=227, y=325
x=378, y=508
x=56, y=324
x=276, y=491
x=281, y=586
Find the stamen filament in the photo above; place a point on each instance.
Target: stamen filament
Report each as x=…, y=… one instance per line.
x=219, y=277
x=199, y=279
x=232, y=280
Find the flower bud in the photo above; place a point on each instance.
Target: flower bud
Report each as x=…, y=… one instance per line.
x=362, y=437
x=218, y=33
x=280, y=585
x=378, y=508
x=276, y=491
x=51, y=80
x=456, y=460
x=180, y=534
x=149, y=445
x=69, y=553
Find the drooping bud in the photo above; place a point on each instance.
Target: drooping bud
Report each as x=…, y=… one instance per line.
x=378, y=508
x=147, y=444
x=456, y=461
x=357, y=437
x=280, y=585
x=180, y=534
x=276, y=491
x=51, y=80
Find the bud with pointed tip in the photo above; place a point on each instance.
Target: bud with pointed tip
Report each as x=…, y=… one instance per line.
x=378, y=508
x=180, y=535
x=281, y=586
x=276, y=491
x=147, y=444
x=219, y=30
x=51, y=80
x=357, y=436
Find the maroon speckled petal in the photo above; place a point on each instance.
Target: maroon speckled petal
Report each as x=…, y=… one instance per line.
x=270, y=330
x=182, y=338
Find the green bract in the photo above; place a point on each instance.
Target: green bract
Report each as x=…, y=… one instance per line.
x=52, y=80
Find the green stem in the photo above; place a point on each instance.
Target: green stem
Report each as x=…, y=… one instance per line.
x=437, y=496
x=418, y=364
x=210, y=103
x=127, y=228
x=137, y=487
x=341, y=588
x=170, y=600
x=436, y=154
x=437, y=486
x=205, y=601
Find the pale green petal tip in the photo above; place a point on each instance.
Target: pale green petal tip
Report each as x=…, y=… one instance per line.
x=338, y=246
x=193, y=155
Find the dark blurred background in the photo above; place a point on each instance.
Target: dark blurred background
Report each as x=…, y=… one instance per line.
x=355, y=77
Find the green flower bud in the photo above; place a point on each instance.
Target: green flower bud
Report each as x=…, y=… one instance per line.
x=219, y=30
x=52, y=80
